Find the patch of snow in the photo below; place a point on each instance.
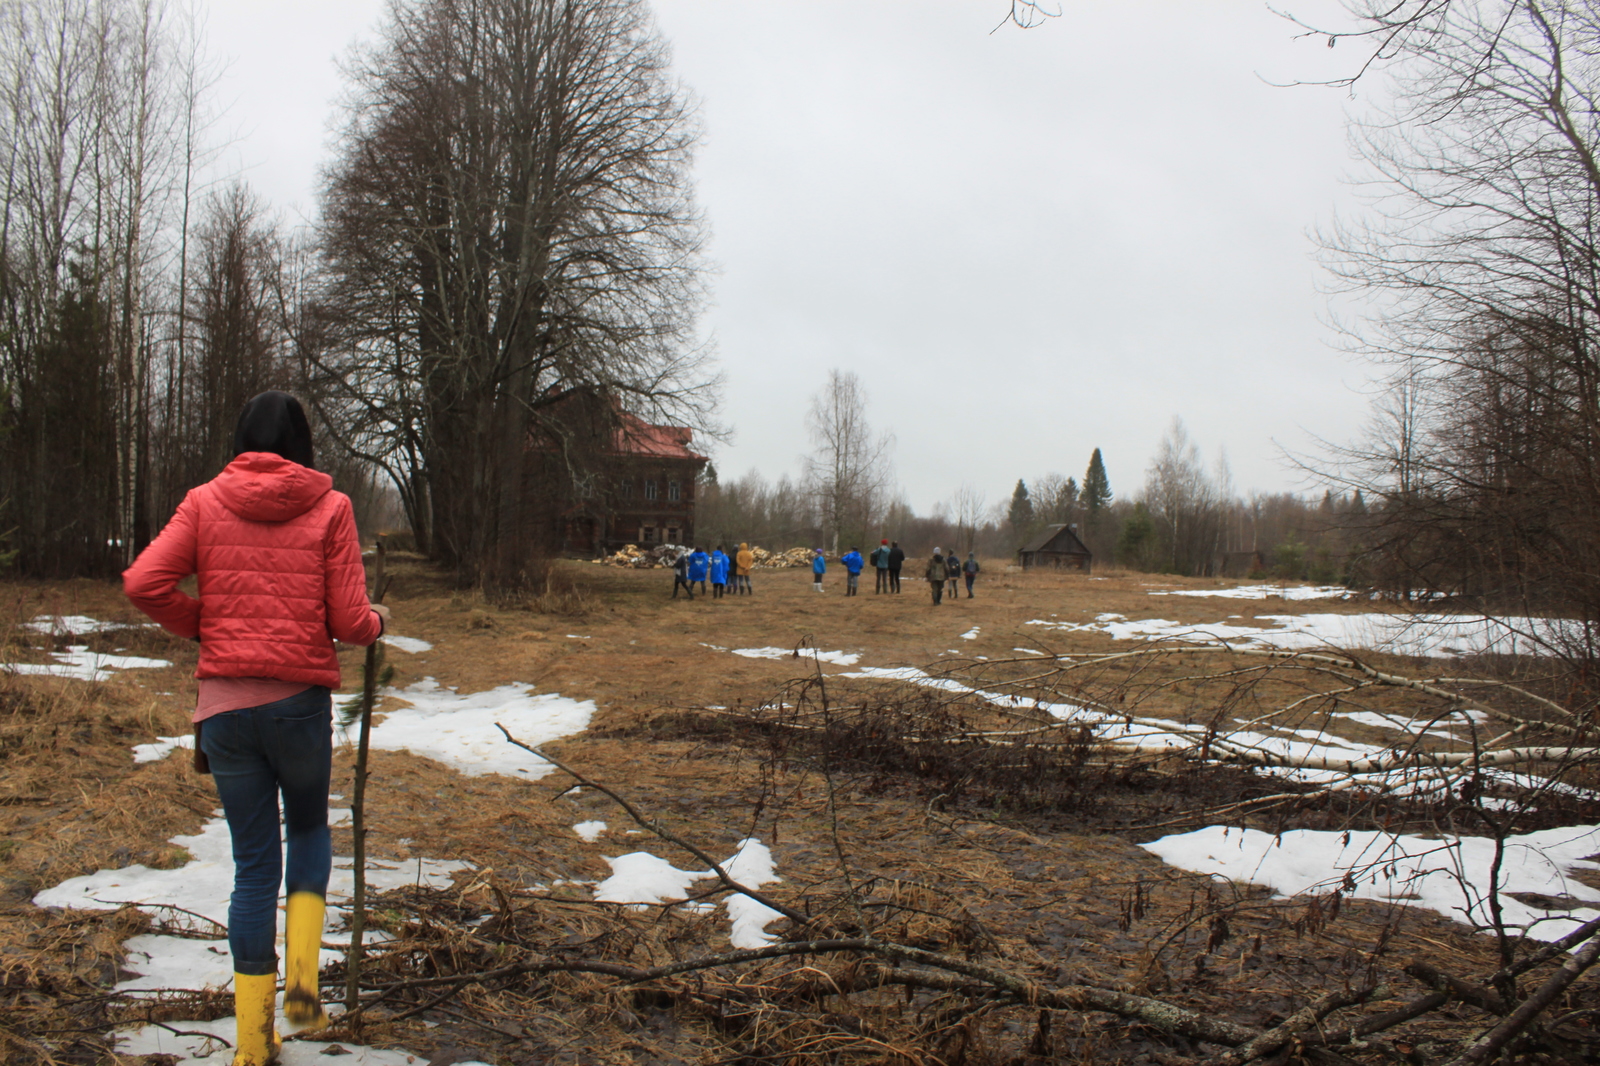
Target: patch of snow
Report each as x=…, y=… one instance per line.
x=60, y=625
x=838, y=658
x=589, y=832
x=1430, y=636
x=1264, y=592
x=1450, y=877
x=460, y=731
x=1379, y=720
x=751, y=865
x=161, y=748
x=409, y=645
x=203, y=886
x=641, y=878
x=84, y=665
x=971, y=634
x=201, y=1049
x=574, y=636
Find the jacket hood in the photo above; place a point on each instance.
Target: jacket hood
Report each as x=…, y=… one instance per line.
x=265, y=487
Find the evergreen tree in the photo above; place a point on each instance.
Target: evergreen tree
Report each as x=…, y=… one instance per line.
x=1021, y=514
x=1096, y=486
x=1137, y=544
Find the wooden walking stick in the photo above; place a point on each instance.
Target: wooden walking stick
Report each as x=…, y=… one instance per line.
x=358, y=819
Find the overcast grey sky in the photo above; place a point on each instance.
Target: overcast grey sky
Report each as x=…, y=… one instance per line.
x=1027, y=243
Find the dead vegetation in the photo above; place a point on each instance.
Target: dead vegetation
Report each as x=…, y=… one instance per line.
x=959, y=883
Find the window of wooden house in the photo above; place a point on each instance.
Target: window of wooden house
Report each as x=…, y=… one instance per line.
x=674, y=535
x=625, y=488
x=649, y=490
x=647, y=534
x=673, y=493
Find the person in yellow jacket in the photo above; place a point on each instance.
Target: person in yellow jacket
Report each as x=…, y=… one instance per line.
x=742, y=562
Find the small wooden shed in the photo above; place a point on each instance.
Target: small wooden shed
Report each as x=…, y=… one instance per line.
x=1057, y=546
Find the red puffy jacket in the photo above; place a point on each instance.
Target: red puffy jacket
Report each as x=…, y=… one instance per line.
x=280, y=573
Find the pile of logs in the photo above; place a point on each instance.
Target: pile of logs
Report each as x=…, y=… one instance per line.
x=664, y=555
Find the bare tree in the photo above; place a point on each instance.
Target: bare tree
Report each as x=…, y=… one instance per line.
x=850, y=474
x=515, y=257
x=1483, y=469
x=968, y=507
x=90, y=107
x=1184, y=500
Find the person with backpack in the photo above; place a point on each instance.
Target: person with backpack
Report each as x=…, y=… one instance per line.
x=280, y=578
x=969, y=570
x=880, y=565
x=680, y=576
x=936, y=576
x=952, y=572
x=852, y=567
x=897, y=559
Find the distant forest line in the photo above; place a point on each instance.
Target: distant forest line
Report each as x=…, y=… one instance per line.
x=509, y=255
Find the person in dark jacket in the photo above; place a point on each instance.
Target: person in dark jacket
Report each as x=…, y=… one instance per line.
x=897, y=559
x=280, y=578
x=880, y=565
x=680, y=576
x=936, y=576
x=952, y=572
x=969, y=570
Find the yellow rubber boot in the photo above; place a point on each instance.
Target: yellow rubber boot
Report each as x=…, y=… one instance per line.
x=256, y=1042
x=302, y=941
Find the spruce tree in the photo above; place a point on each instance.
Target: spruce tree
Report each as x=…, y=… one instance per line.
x=1096, y=486
x=1021, y=514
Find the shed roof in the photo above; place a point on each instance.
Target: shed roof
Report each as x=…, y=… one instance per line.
x=1057, y=538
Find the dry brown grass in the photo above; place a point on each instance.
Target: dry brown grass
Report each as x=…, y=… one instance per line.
x=866, y=828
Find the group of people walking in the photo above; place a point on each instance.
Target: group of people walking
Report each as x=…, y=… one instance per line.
x=888, y=560
x=723, y=572
x=948, y=570
x=696, y=568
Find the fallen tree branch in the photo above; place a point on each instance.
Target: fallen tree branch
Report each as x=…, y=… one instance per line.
x=1304, y=1018
x=1529, y=1009
x=655, y=827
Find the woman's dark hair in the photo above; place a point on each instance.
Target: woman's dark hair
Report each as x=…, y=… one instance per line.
x=274, y=422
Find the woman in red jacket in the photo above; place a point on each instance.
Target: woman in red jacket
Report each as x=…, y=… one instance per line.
x=280, y=579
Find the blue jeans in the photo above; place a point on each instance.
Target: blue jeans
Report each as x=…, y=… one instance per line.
x=255, y=754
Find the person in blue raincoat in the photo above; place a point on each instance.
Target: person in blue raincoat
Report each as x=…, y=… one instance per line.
x=699, y=567
x=819, y=566
x=852, y=565
x=719, y=573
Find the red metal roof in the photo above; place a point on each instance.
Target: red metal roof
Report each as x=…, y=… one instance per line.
x=637, y=437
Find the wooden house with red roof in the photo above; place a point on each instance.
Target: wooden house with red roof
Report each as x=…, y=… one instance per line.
x=641, y=491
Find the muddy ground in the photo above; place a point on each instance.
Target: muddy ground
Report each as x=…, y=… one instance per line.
x=1057, y=891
